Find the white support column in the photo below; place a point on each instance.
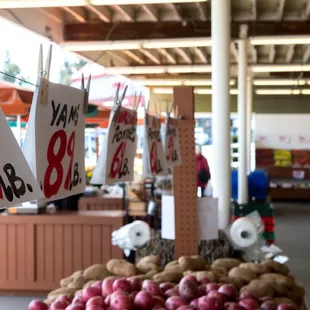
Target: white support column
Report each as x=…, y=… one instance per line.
x=242, y=116
x=221, y=16
x=249, y=121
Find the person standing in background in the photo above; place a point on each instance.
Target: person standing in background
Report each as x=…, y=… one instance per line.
x=202, y=170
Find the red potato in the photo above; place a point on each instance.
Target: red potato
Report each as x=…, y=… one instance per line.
x=286, y=307
x=121, y=302
x=107, y=286
x=94, y=308
x=90, y=292
x=209, y=303
x=203, y=289
x=107, y=300
x=58, y=305
x=232, y=306
x=229, y=291
x=144, y=300
x=190, y=278
x=77, y=300
x=64, y=299
x=194, y=304
x=269, y=305
x=249, y=304
x=158, y=308
x=135, y=284
x=220, y=297
x=151, y=287
x=97, y=284
x=96, y=301
x=165, y=286
x=188, y=290
x=247, y=295
x=121, y=285
x=133, y=294
x=174, y=302
x=184, y=308
x=158, y=301
x=265, y=298
x=76, y=307
x=204, y=281
x=212, y=287
x=37, y=305
x=172, y=292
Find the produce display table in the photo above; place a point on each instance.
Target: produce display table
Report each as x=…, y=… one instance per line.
x=37, y=251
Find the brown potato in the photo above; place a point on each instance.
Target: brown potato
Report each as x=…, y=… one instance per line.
x=188, y=272
x=89, y=283
x=61, y=291
x=206, y=274
x=276, y=267
x=277, y=278
x=220, y=271
x=243, y=274
x=142, y=277
x=257, y=268
x=147, y=267
x=296, y=293
x=151, y=259
x=287, y=301
x=96, y=272
x=122, y=268
x=77, y=282
x=227, y=263
x=168, y=276
x=172, y=263
x=192, y=262
x=261, y=288
x=175, y=268
x=78, y=292
x=65, y=281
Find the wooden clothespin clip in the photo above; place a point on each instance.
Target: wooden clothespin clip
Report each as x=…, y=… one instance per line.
x=137, y=103
x=44, y=74
x=118, y=100
x=86, y=92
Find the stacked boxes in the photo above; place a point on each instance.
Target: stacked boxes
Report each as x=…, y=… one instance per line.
x=266, y=213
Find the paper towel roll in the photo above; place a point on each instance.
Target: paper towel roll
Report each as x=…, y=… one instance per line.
x=132, y=236
x=243, y=233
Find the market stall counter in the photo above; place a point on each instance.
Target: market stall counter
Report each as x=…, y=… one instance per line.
x=37, y=251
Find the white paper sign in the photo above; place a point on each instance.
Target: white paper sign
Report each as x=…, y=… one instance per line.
x=154, y=159
x=116, y=160
x=172, y=143
x=54, y=144
x=17, y=183
x=207, y=209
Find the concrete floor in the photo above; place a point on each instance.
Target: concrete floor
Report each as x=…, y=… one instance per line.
x=292, y=235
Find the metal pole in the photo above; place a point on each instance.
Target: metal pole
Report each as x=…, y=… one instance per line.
x=242, y=115
x=221, y=16
x=249, y=121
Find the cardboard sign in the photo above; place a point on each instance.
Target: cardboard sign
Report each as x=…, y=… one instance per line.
x=17, y=183
x=54, y=143
x=154, y=159
x=116, y=160
x=172, y=143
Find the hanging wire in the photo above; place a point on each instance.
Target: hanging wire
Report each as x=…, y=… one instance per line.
x=12, y=76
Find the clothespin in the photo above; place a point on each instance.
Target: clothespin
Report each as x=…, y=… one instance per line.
x=117, y=99
x=86, y=92
x=44, y=74
x=136, y=104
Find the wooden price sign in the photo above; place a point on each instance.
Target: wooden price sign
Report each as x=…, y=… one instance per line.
x=17, y=183
x=54, y=144
x=116, y=160
x=154, y=159
x=172, y=144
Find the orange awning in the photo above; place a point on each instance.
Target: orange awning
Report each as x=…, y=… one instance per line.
x=14, y=100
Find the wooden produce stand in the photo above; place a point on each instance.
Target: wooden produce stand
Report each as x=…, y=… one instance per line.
x=37, y=251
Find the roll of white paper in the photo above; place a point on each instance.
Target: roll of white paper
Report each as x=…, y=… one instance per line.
x=243, y=233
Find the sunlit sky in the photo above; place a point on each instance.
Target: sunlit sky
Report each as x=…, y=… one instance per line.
x=23, y=46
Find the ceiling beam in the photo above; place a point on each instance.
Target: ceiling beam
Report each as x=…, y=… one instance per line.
x=306, y=11
x=254, y=54
x=306, y=55
x=151, y=11
x=290, y=53
x=281, y=9
x=76, y=13
x=125, y=12
x=272, y=54
x=183, y=55
x=254, y=9
x=174, y=10
x=177, y=29
x=150, y=56
x=167, y=56
x=101, y=13
x=134, y=57
x=201, y=55
x=202, y=11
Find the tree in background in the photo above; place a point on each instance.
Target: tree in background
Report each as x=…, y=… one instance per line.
x=11, y=71
x=69, y=68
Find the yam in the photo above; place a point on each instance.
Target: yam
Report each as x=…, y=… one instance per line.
x=259, y=269
x=192, y=262
x=243, y=274
x=227, y=263
x=96, y=272
x=168, y=276
x=77, y=282
x=276, y=267
x=277, y=278
x=120, y=267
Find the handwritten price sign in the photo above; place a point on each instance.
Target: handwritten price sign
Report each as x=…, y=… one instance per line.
x=56, y=129
x=172, y=144
x=17, y=183
x=116, y=161
x=154, y=159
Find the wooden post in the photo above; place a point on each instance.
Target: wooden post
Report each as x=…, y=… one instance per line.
x=184, y=176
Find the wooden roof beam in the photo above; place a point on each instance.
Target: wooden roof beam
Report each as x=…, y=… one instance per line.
x=290, y=53
x=134, y=57
x=306, y=55
x=272, y=54
x=183, y=55
x=203, y=58
x=76, y=13
x=150, y=11
x=150, y=56
x=126, y=12
x=167, y=55
x=101, y=13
